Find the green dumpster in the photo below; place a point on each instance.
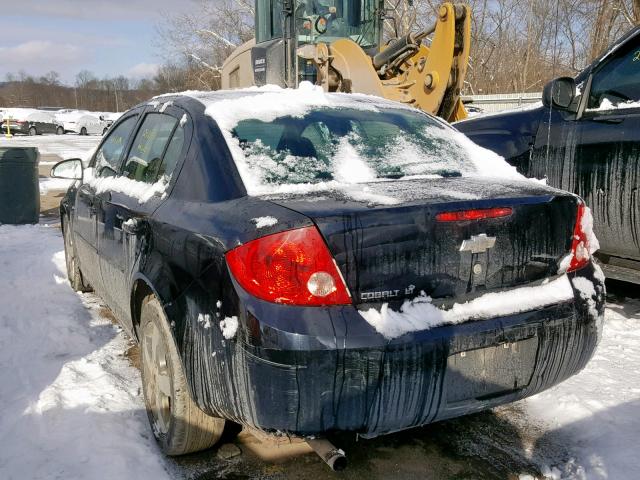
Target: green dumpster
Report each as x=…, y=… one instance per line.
x=19, y=186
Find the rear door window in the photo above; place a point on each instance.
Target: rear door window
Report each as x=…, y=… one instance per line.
x=149, y=149
x=172, y=155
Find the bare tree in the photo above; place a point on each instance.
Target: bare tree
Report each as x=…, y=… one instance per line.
x=200, y=41
x=516, y=46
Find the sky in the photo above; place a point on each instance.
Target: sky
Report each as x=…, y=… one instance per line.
x=107, y=37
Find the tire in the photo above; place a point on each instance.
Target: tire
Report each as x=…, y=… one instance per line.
x=177, y=423
x=32, y=131
x=83, y=131
x=59, y=131
x=73, y=269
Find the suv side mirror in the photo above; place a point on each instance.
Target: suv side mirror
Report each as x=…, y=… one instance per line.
x=559, y=93
x=70, y=169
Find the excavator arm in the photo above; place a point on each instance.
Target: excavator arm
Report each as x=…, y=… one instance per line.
x=405, y=70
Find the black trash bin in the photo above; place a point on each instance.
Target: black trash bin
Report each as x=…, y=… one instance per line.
x=19, y=185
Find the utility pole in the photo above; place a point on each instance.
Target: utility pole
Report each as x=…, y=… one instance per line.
x=115, y=91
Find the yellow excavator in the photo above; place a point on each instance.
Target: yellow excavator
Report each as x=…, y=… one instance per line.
x=338, y=44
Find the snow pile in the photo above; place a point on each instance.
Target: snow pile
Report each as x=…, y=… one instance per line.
x=587, y=291
x=487, y=163
x=265, y=171
x=262, y=222
x=275, y=102
x=420, y=314
x=71, y=402
x=606, y=104
x=165, y=105
x=586, y=225
x=140, y=190
x=229, y=327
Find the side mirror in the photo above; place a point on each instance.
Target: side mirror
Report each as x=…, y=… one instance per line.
x=101, y=117
x=559, y=93
x=70, y=169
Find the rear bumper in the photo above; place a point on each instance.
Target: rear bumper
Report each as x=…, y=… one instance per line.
x=306, y=384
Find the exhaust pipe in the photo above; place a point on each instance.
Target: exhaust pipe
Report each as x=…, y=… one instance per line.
x=332, y=456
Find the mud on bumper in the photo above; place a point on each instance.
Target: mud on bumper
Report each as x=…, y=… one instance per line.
x=412, y=380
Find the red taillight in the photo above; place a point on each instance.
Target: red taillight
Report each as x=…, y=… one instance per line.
x=292, y=267
x=474, y=214
x=580, y=254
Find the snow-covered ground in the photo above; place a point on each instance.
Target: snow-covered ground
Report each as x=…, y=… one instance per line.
x=596, y=414
x=64, y=146
x=71, y=403
x=47, y=184
x=72, y=407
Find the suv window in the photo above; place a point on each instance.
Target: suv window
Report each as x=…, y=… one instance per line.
x=109, y=153
x=617, y=82
x=146, y=155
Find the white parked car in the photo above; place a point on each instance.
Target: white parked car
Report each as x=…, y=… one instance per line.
x=82, y=123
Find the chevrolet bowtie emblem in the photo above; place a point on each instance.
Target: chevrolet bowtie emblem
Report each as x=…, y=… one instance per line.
x=478, y=243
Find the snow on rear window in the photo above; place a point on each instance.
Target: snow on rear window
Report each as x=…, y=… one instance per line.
x=305, y=139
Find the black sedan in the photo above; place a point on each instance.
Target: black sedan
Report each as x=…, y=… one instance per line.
x=302, y=262
x=28, y=122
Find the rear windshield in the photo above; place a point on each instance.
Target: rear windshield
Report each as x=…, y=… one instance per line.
x=348, y=145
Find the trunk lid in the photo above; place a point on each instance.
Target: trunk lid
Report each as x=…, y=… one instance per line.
x=389, y=252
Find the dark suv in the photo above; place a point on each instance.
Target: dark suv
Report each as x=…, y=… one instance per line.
x=585, y=139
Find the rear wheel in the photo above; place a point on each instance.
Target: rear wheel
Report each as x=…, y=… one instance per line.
x=83, y=131
x=59, y=131
x=73, y=269
x=32, y=131
x=178, y=424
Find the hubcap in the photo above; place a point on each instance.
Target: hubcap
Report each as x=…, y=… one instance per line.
x=157, y=378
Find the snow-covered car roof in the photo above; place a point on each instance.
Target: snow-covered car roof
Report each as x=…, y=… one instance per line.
x=28, y=114
x=77, y=115
x=290, y=99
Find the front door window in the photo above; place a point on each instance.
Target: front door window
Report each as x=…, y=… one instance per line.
x=107, y=159
x=617, y=85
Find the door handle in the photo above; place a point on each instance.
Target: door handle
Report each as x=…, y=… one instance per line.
x=133, y=226
x=612, y=121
